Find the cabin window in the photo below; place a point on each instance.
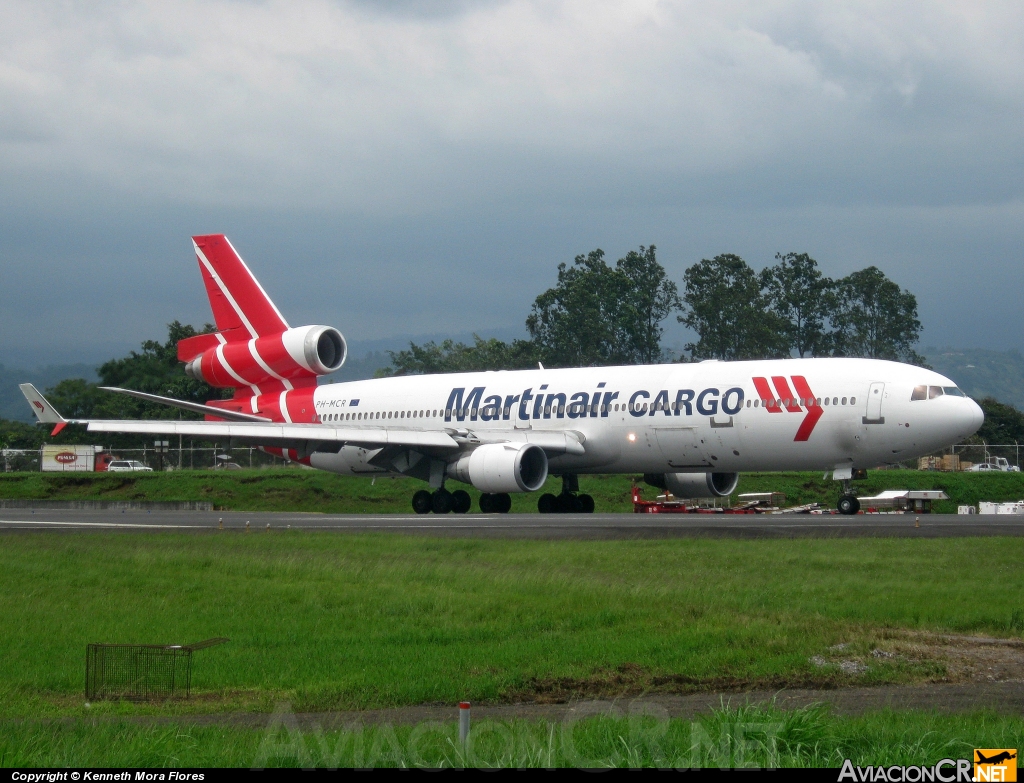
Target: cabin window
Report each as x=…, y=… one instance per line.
x=853, y=401
x=818, y=402
x=844, y=401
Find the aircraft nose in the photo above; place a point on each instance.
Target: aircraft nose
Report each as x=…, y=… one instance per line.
x=976, y=416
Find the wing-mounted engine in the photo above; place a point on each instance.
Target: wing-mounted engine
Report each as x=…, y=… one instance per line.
x=503, y=467
x=304, y=352
x=695, y=485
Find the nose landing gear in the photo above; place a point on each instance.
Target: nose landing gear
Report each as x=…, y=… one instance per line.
x=848, y=503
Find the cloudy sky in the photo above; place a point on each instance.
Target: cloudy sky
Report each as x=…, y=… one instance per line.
x=410, y=168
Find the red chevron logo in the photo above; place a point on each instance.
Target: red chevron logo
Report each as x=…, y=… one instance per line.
x=782, y=399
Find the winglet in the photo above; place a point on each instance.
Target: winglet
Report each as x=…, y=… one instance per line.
x=45, y=413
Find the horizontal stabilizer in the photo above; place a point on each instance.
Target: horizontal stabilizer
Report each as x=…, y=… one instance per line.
x=195, y=407
x=190, y=347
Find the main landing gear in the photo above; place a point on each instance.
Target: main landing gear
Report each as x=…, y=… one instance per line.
x=442, y=501
x=569, y=501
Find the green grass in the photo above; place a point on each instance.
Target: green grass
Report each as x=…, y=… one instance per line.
x=292, y=489
x=336, y=622
x=748, y=737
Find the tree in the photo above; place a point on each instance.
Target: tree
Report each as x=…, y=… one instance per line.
x=799, y=295
x=647, y=299
x=451, y=356
x=155, y=369
x=1003, y=423
x=873, y=318
x=598, y=315
x=574, y=324
x=725, y=307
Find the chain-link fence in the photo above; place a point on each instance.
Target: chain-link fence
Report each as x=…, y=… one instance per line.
x=172, y=457
x=982, y=453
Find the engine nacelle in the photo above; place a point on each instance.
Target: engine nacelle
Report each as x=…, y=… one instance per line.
x=303, y=352
x=695, y=485
x=503, y=467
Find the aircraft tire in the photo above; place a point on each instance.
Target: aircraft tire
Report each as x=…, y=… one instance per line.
x=441, y=501
x=461, y=501
x=848, y=504
x=567, y=503
x=502, y=502
x=546, y=504
x=422, y=502
x=586, y=503
x=487, y=503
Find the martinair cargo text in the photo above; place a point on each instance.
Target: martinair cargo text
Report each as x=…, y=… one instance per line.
x=690, y=428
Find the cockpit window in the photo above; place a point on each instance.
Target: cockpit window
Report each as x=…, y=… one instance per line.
x=931, y=392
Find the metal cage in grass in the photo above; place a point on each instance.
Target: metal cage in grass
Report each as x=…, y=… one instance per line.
x=140, y=672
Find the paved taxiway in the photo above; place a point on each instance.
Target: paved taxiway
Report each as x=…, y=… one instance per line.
x=522, y=525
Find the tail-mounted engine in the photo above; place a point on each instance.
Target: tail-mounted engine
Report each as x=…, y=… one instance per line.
x=695, y=485
x=304, y=352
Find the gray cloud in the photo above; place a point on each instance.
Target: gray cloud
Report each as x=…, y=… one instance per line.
x=418, y=167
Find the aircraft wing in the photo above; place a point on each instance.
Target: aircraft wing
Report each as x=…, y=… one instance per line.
x=272, y=433
x=261, y=431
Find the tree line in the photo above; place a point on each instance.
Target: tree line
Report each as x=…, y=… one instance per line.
x=598, y=314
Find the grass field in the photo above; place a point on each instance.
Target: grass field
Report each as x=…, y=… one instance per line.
x=335, y=622
x=293, y=489
x=328, y=622
x=750, y=737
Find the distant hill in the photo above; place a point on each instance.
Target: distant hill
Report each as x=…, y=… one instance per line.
x=12, y=402
x=982, y=373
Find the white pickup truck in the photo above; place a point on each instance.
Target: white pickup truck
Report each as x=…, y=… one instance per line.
x=994, y=463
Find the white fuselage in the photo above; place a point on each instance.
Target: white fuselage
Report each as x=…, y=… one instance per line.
x=712, y=416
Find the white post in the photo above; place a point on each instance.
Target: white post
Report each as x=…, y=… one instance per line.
x=463, y=723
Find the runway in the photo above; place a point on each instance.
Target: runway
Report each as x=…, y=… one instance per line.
x=538, y=526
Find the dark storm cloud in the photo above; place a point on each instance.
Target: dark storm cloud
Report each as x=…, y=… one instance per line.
x=417, y=167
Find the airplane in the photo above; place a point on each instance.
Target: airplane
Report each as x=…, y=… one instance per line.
x=690, y=428
x=996, y=759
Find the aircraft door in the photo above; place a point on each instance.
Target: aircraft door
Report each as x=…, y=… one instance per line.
x=873, y=414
